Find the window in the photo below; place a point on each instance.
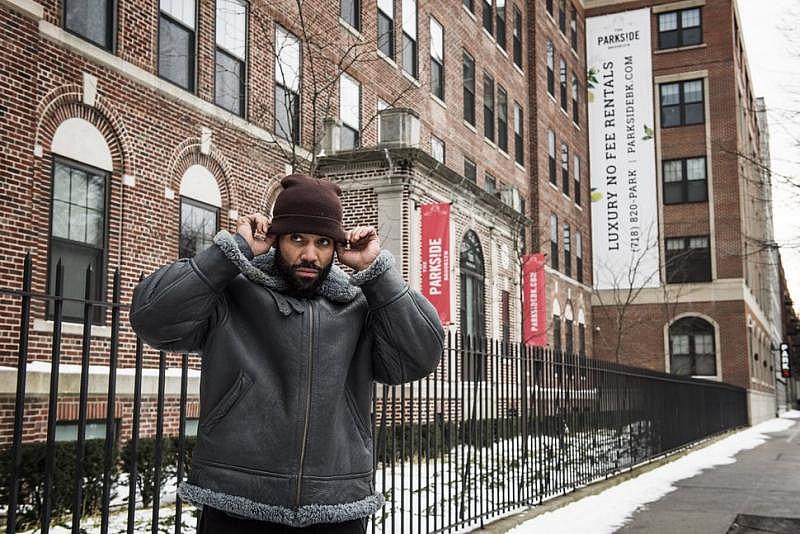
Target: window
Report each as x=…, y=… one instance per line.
x=490, y=184
x=576, y=173
x=199, y=224
x=575, y=93
x=691, y=347
x=92, y=20
x=519, y=147
x=350, y=11
x=688, y=259
x=287, y=85
x=680, y=28
x=410, y=37
x=231, y=51
x=190, y=426
x=470, y=5
x=488, y=15
x=471, y=271
x=437, y=149
x=468, y=74
x=685, y=180
x=554, y=241
x=562, y=16
x=437, y=59
x=488, y=106
x=567, y=251
x=562, y=78
x=176, y=42
x=565, y=168
x=386, y=27
x=682, y=103
x=578, y=257
x=549, y=6
x=551, y=156
x=78, y=234
x=573, y=28
x=551, y=80
x=582, y=340
x=568, y=338
x=470, y=170
x=557, y=340
x=68, y=430
x=502, y=118
x=517, y=38
x=501, y=23
x=350, y=112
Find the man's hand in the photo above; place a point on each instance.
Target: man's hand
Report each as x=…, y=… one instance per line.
x=253, y=228
x=362, y=247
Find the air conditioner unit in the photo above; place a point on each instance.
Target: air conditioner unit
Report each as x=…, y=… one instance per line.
x=331, y=136
x=399, y=127
x=511, y=197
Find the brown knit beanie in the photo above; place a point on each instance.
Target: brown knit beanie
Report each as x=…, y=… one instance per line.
x=310, y=206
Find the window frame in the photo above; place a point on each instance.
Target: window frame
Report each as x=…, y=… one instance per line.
x=567, y=247
x=100, y=274
x=682, y=104
x=110, y=33
x=487, y=16
x=565, y=179
x=437, y=65
x=679, y=30
x=198, y=204
x=576, y=88
x=466, y=60
x=489, y=112
x=550, y=61
x=554, y=231
x=344, y=124
x=390, y=41
x=516, y=36
x=355, y=24
x=691, y=326
x=677, y=260
x=408, y=41
x=573, y=28
x=434, y=141
x=562, y=82
x=296, y=134
x=502, y=118
x=551, y=157
x=500, y=24
x=578, y=256
x=576, y=178
x=684, y=182
x=245, y=62
x=562, y=17
x=193, y=31
x=519, y=134
x=472, y=176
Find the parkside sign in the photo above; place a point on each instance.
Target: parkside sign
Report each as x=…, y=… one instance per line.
x=436, y=257
x=622, y=151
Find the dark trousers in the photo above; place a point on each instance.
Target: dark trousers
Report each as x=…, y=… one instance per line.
x=213, y=521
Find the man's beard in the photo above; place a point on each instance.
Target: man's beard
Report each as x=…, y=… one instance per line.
x=301, y=287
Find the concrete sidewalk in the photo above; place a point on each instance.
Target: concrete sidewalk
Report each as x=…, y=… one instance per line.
x=763, y=481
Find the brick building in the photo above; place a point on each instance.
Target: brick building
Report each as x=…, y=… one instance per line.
x=131, y=133
x=714, y=313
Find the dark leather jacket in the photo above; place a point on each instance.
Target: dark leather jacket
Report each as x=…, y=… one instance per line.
x=285, y=390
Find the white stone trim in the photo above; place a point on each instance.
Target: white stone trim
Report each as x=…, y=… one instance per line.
x=32, y=10
x=37, y=380
x=43, y=326
x=675, y=6
x=79, y=140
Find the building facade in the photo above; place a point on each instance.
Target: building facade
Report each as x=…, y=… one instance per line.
x=132, y=133
x=713, y=311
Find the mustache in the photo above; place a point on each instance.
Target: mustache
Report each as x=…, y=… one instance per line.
x=306, y=265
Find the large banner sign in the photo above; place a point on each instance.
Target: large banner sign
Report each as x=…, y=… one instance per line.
x=436, y=257
x=534, y=320
x=622, y=151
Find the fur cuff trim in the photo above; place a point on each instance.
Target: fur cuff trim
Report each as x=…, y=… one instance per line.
x=302, y=517
x=380, y=265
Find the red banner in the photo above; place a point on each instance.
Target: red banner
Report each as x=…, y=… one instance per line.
x=534, y=320
x=436, y=257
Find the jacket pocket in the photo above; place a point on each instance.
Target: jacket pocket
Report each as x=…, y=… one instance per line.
x=228, y=401
x=353, y=409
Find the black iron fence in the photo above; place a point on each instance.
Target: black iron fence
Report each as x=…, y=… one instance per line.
x=496, y=427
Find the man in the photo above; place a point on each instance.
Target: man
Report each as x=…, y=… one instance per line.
x=290, y=346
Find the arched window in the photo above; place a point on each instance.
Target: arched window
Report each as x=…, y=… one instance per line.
x=200, y=203
x=82, y=165
x=472, y=298
x=691, y=347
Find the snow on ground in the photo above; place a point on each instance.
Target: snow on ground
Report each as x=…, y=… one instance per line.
x=608, y=511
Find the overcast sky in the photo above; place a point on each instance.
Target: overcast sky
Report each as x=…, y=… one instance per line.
x=772, y=39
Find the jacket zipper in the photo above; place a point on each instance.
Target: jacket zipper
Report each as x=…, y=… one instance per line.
x=308, y=401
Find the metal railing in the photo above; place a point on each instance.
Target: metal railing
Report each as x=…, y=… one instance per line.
x=496, y=427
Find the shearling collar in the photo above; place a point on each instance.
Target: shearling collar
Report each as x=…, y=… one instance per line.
x=337, y=287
